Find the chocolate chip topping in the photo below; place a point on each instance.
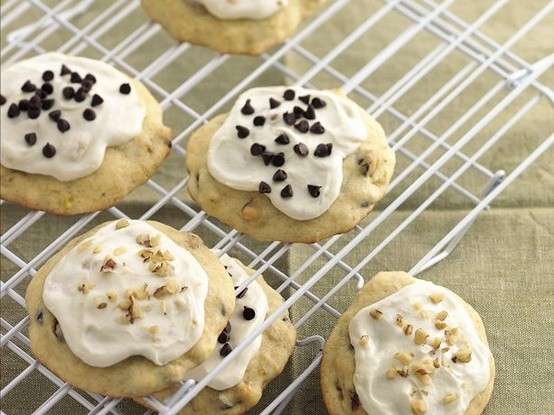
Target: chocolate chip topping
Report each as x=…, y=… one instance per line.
x=90, y=78
x=287, y=192
x=302, y=126
x=289, y=118
x=317, y=128
x=96, y=100
x=63, y=125
x=309, y=114
x=225, y=350
x=248, y=313
x=223, y=337
x=323, y=150
x=48, y=88
x=65, y=70
x=314, y=190
x=267, y=156
x=80, y=95
x=280, y=176
x=49, y=151
x=318, y=103
x=305, y=99
x=33, y=112
x=264, y=188
x=47, y=76
x=289, y=94
x=247, y=109
x=40, y=94
x=273, y=103
x=55, y=115
x=301, y=149
x=75, y=78
x=89, y=114
x=2, y=100
x=227, y=328
x=28, y=86
x=257, y=149
x=278, y=159
x=125, y=89
x=242, y=132
x=298, y=112
x=47, y=104
x=282, y=139
x=13, y=111
x=31, y=139
x=86, y=85
x=23, y=105
x=68, y=92
x=259, y=121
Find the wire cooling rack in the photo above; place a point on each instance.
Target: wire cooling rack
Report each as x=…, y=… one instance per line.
x=434, y=161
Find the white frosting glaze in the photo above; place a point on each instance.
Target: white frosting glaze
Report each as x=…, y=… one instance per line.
x=230, y=160
x=380, y=395
x=80, y=150
x=254, y=298
x=243, y=9
x=104, y=336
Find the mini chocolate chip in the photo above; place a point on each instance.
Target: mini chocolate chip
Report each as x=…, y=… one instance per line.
x=247, y=109
x=280, y=176
x=41, y=94
x=301, y=149
x=35, y=102
x=278, y=159
x=286, y=192
x=48, y=88
x=40, y=316
x=65, y=70
x=91, y=78
x=33, y=113
x=86, y=85
x=76, y=78
x=298, y=112
x=23, y=105
x=63, y=125
x=264, y=188
x=305, y=99
x=309, y=114
x=55, y=115
x=259, y=121
x=289, y=118
x=80, y=95
x=302, y=126
x=223, y=337
x=49, y=151
x=31, y=139
x=242, y=293
x=225, y=350
x=89, y=114
x=317, y=128
x=289, y=94
x=96, y=100
x=248, y=313
x=323, y=150
x=314, y=190
x=47, y=104
x=68, y=92
x=125, y=89
x=282, y=139
x=267, y=156
x=257, y=149
x=273, y=103
x=13, y=111
x=47, y=76
x=28, y=86
x=2, y=99
x=242, y=132
x=318, y=103
x=227, y=328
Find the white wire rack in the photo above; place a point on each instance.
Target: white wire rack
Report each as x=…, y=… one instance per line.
x=433, y=162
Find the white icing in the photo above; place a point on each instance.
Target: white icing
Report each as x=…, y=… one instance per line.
x=243, y=9
x=381, y=396
x=80, y=150
x=103, y=337
x=240, y=328
x=231, y=163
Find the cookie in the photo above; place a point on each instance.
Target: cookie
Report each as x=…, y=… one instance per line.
x=407, y=346
x=77, y=134
x=128, y=308
x=240, y=385
x=290, y=164
x=247, y=27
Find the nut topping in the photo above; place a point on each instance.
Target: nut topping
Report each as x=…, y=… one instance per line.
x=403, y=357
x=420, y=336
x=463, y=355
x=376, y=314
x=436, y=298
x=408, y=329
x=108, y=265
x=122, y=223
x=418, y=406
x=441, y=316
x=85, y=287
x=449, y=398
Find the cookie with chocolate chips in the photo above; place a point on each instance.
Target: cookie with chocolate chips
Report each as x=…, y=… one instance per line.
x=229, y=27
x=388, y=352
x=140, y=317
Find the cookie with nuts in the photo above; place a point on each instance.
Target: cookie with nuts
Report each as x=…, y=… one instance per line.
x=386, y=353
x=128, y=308
x=290, y=164
x=247, y=27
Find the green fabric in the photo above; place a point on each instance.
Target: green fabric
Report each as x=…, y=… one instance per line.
x=504, y=266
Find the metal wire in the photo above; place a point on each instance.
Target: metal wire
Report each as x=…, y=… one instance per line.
x=515, y=78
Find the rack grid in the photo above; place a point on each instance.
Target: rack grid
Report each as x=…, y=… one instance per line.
x=433, y=161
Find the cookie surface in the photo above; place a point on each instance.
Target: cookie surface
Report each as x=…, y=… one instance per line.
x=276, y=347
x=136, y=375
x=366, y=172
x=190, y=22
x=339, y=366
x=78, y=188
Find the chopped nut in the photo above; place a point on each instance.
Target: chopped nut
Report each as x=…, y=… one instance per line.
x=463, y=355
x=375, y=314
x=420, y=336
x=143, y=239
x=112, y=295
x=119, y=251
x=108, y=265
x=403, y=372
x=146, y=254
x=436, y=298
x=121, y=223
x=436, y=343
x=85, y=287
x=364, y=341
x=153, y=330
x=441, y=325
x=142, y=292
x=399, y=320
x=124, y=305
x=442, y=315
x=452, y=335
x=422, y=367
x=425, y=379
x=102, y=306
x=403, y=357
x=390, y=373
x=162, y=269
x=408, y=329
x=436, y=363
x=449, y=398
x=418, y=406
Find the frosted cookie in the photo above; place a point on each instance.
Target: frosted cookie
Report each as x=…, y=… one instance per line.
x=77, y=134
x=407, y=347
x=290, y=164
x=238, y=27
x=128, y=308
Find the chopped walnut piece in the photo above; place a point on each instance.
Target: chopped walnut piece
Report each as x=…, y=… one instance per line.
x=418, y=406
x=440, y=325
x=403, y=357
x=144, y=240
x=121, y=223
x=364, y=341
x=85, y=287
x=399, y=320
x=452, y=335
x=119, y=251
x=449, y=398
x=463, y=355
x=142, y=292
x=376, y=314
x=420, y=336
x=133, y=312
x=403, y=372
x=162, y=269
x=436, y=298
x=436, y=343
x=112, y=295
x=441, y=316
x=146, y=254
x=408, y=329
x=390, y=373
x=171, y=287
x=108, y=265
x=436, y=363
